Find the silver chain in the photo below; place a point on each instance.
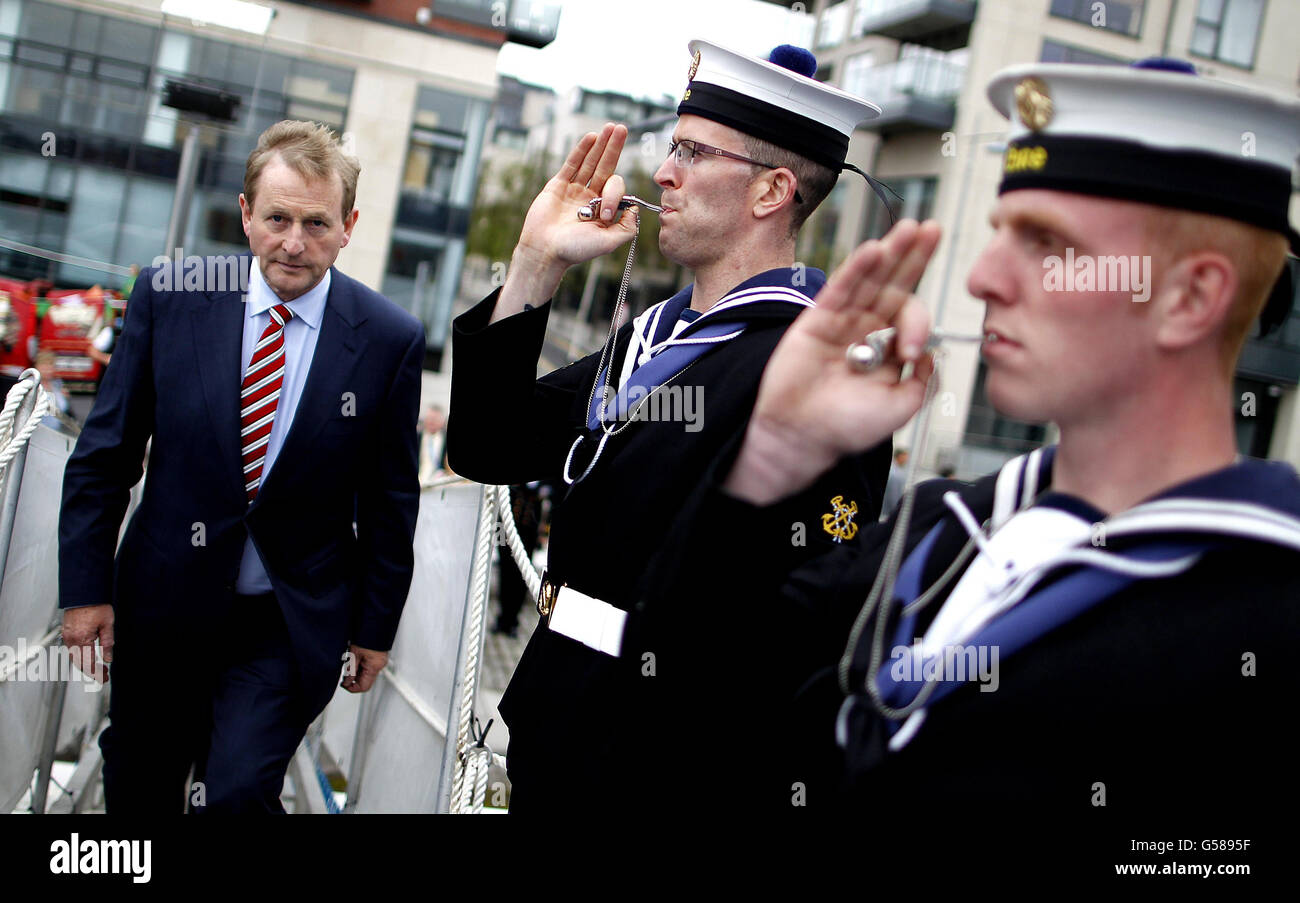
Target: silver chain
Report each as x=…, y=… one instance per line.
x=607, y=352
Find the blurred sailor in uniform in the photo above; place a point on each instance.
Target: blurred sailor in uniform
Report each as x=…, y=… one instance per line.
x=624, y=434
x=1107, y=622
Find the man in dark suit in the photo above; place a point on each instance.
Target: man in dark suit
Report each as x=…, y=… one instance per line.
x=276, y=525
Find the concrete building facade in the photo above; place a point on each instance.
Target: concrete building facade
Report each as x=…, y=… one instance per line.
x=408, y=84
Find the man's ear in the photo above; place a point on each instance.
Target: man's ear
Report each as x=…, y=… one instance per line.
x=778, y=189
x=348, y=222
x=1195, y=299
x=245, y=214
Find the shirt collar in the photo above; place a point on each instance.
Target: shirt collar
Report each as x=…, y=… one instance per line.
x=308, y=307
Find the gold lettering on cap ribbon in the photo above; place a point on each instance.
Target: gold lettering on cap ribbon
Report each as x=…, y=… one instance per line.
x=1034, y=103
x=1018, y=159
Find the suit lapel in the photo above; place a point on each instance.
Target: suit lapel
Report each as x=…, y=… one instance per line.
x=337, y=351
x=218, y=339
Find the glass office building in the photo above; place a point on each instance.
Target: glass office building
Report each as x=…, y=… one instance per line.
x=89, y=154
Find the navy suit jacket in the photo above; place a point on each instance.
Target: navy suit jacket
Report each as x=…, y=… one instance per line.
x=350, y=455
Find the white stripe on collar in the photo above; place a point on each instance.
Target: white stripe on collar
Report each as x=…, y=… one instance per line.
x=1196, y=515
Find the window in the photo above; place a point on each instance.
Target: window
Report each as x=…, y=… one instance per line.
x=818, y=237
x=47, y=23
x=856, y=73
x=431, y=165
x=96, y=211
x=834, y=25
x=479, y=12
x=1123, y=16
x=987, y=428
x=1254, y=431
x=413, y=268
x=1227, y=30
x=1054, y=52
x=917, y=202
x=440, y=110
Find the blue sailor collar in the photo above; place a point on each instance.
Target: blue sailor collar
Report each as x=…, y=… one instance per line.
x=1164, y=536
x=1250, y=498
x=658, y=349
x=796, y=285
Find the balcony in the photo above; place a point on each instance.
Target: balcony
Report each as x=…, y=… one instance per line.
x=941, y=24
x=916, y=93
x=533, y=23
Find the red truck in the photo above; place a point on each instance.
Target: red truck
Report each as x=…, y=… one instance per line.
x=72, y=320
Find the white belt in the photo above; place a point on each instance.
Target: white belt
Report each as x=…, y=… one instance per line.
x=589, y=621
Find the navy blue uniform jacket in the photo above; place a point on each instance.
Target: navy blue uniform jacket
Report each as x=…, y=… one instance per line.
x=350, y=455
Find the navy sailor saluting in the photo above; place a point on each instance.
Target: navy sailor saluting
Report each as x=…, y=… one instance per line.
x=758, y=145
x=1107, y=622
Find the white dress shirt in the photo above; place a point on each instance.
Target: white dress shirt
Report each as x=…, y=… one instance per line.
x=300, y=336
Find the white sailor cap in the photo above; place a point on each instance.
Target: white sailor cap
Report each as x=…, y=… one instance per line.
x=1154, y=132
x=776, y=100
x=1157, y=133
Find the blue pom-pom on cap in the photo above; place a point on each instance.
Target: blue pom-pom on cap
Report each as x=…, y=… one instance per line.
x=1165, y=64
x=796, y=59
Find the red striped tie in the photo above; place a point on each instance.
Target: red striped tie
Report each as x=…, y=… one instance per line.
x=259, y=395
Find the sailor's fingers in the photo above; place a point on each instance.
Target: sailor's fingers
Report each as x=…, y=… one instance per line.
x=880, y=274
x=609, y=198
x=838, y=291
x=913, y=258
x=608, y=160
x=913, y=324
x=587, y=168
x=869, y=293
x=569, y=171
x=924, y=370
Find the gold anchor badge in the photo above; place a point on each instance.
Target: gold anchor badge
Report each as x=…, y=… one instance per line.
x=1034, y=103
x=839, y=522
x=690, y=75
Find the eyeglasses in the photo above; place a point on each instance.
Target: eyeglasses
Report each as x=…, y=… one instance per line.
x=683, y=153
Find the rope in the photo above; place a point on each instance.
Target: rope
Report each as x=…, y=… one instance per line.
x=29, y=381
x=474, y=760
x=517, y=551
x=478, y=762
x=473, y=642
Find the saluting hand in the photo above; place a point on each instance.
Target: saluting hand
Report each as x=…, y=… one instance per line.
x=812, y=407
x=553, y=238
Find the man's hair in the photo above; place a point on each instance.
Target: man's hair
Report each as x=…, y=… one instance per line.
x=311, y=150
x=813, y=180
x=1258, y=255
